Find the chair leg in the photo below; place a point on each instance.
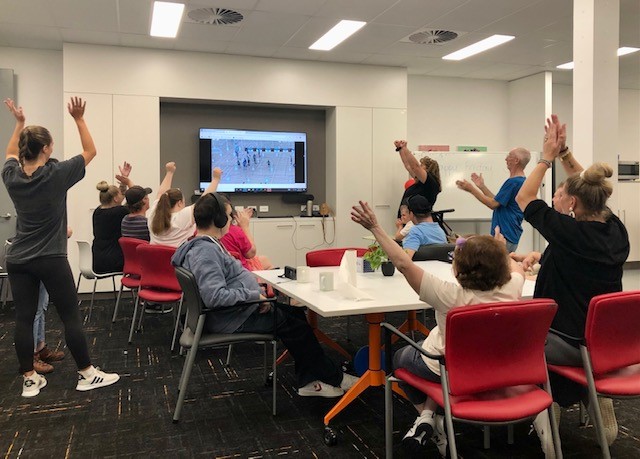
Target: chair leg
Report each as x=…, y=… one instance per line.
x=596, y=415
x=583, y=414
x=186, y=370
x=510, y=434
x=115, y=309
x=388, y=419
x=78, y=288
x=274, y=367
x=229, y=351
x=486, y=436
x=175, y=328
x=555, y=432
x=133, y=319
x=93, y=294
x=113, y=280
x=143, y=306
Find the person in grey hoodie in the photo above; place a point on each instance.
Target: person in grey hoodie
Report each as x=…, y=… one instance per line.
x=224, y=282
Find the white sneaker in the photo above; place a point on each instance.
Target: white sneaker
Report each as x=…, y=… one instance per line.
x=348, y=381
x=608, y=419
x=97, y=379
x=439, y=436
x=422, y=428
x=542, y=427
x=320, y=389
x=32, y=384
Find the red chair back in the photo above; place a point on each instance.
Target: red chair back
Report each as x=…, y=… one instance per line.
x=131, y=263
x=612, y=331
x=331, y=257
x=157, y=271
x=500, y=344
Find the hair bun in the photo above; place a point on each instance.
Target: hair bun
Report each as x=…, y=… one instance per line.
x=102, y=186
x=597, y=173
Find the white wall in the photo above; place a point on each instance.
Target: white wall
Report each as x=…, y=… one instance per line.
x=38, y=83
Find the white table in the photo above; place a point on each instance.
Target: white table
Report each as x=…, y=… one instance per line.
x=389, y=294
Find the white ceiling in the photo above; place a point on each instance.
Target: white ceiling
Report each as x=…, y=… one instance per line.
x=285, y=29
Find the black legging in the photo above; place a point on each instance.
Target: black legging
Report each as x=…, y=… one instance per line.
x=56, y=275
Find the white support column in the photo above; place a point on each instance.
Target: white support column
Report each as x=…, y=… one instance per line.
x=596, y=26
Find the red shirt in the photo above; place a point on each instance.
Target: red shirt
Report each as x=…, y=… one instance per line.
x=236, y=241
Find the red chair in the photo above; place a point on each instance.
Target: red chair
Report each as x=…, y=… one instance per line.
x=329, y=257
x=131, y=269
x=158, y=282
x=492, y=369
x=610, y=353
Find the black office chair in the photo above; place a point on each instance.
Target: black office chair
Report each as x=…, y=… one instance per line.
x=439, y=252
x=194, y=337
x=438, y=217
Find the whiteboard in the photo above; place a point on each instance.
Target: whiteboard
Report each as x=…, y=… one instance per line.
x=460, y=165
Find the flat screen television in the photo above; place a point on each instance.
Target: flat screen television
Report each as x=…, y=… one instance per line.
x=254, y=161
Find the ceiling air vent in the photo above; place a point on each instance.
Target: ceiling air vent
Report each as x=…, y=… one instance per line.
x=215, y=16
x=432, y=37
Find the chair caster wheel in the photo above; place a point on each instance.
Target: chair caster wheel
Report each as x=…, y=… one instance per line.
x=330, y=436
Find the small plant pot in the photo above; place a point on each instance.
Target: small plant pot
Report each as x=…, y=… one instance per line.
x=387, y=268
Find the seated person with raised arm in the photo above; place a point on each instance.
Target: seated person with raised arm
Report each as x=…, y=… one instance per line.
x=223, y=282
x=425, y=230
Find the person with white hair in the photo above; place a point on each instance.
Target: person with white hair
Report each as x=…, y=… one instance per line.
x=506, y=212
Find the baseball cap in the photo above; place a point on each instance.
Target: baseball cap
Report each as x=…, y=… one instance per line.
x=418, y=204
x=135, y=194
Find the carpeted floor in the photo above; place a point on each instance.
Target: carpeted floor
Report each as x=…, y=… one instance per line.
x=227, y=413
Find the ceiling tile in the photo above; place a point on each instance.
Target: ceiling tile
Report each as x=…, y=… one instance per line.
x=416, y=13
x=271, y=29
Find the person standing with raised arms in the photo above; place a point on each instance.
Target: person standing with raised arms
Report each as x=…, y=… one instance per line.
x=38, y=188
x=506, y=212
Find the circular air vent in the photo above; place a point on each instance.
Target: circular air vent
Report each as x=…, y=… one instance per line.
x=215, y=16
x=428, y=37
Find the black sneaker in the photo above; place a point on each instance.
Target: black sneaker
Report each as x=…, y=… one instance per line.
x=157, y=308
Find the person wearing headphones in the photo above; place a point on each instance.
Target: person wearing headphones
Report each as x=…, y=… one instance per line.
x=224, y=282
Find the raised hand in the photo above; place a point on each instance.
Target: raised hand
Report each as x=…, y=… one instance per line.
x=17, y=112
x=400, y=144
x=498, y=236
x=555, y=136
x=464, y=185
x=243, y=217
x=364, y=216
x=125, y=170
x=76, y=107
x=170, y=167
x=478, y=180
x=124, y=180
x=217, y=173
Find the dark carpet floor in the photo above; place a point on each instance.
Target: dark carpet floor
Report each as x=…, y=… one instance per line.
x=227, y=413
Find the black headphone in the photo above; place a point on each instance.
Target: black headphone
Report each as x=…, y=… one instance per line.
x=220, y=217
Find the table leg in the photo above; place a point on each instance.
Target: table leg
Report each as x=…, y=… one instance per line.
x=410, y=325
x=374, y=376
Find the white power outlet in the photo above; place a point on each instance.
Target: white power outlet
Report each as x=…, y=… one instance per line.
x=303, y=208
x=316, y=208
x=264, y=208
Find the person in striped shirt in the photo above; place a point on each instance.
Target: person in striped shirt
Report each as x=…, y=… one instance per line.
x=135, y=223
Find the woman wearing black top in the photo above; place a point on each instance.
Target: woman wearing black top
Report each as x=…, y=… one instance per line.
x=38, y=188
x=425, y=172
x=107, y=220
x=588, y=246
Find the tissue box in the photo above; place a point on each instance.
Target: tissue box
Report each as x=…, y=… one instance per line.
x=363, y=266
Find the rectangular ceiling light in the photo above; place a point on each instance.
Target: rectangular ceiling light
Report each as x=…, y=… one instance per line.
x=340, y=32
x=478, y=47
x=621, y=52
x=627, y=50
x=166, y=19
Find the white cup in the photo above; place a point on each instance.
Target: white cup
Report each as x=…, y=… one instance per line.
x=303, y=274
x=326, y=281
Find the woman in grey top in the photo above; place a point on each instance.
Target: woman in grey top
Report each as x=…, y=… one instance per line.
x=38, y=188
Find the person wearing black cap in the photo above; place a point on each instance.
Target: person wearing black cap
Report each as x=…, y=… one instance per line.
x=135, y=223
x=425, y=230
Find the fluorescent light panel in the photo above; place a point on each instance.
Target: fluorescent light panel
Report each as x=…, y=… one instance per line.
x=166, y=19
x=621, y=52
x=339, y=33
x=478, y=47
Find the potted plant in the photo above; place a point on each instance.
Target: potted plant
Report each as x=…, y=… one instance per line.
x=377, y=258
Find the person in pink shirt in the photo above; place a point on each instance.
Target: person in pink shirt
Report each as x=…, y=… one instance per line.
x=239, y=242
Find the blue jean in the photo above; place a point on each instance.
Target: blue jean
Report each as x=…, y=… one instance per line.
x=511, y=246
x=38, y=321
x=411, y=360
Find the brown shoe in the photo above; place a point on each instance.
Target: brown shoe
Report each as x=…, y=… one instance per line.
x=48, y=356
x=41, y=367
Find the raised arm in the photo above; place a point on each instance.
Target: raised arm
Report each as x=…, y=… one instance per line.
x=242, y=218
x=477, y=193
x=411, y=164
x=478, y=181
x=570, y=164
x=123, y=177
x=18, y=114
x=165, y=185
x=216, y=176
x=76, y=108
x=555, y=136
x=364, y=216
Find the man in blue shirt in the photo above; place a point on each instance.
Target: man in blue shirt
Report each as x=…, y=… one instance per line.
x=506, y=212
x=425, y=230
